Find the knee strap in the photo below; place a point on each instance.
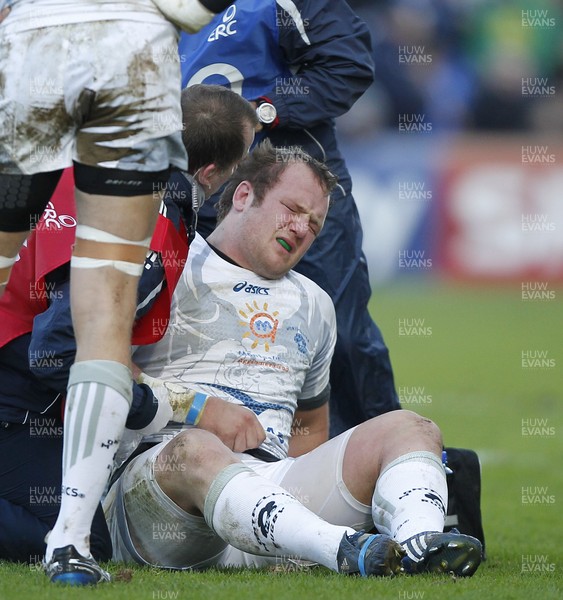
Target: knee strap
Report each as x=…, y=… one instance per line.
x=85, y=262
x=6, y=262
x=107, y=256
x=85, y=232
x=104, y=181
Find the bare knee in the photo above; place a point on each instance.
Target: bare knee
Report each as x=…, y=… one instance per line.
x=192, y=451
x=410, y=432
x=377, y=442
x=423, y=426
x=187, y=465
x=395, y=433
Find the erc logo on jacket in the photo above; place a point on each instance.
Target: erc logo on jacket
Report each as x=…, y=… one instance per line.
x=227, y=27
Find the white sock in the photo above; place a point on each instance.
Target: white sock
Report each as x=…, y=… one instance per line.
x=259, y=517
x=411, y=497
x=95, y=415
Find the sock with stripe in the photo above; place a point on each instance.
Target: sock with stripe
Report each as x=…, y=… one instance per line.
x=257, y=516
x=410, y=500
x=97, y=404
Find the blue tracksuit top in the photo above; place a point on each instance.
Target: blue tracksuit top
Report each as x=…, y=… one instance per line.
x=311, y=58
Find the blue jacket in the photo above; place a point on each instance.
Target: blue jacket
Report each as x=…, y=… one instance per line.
x=311, y=58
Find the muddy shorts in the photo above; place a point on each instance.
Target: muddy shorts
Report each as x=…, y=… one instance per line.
x=102, y=93
x=149, y=528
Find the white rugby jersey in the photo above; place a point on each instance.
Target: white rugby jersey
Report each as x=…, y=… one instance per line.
x=263, y=343
x=33, y=14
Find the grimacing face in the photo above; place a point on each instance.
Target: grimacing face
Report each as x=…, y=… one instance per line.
x=276, y=233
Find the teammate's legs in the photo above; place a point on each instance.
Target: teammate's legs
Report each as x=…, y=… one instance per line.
x=123, y=133
x=112, y=240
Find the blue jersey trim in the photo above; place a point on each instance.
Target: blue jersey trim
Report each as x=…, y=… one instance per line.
x=255, y=406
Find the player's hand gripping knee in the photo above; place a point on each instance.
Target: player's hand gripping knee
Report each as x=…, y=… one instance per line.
x=236, y=426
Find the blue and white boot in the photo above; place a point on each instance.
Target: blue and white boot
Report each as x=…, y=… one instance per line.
x=435, y=552
x=71, y=568
x=367, y=555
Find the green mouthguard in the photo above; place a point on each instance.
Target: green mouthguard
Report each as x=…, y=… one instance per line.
x=284, y=244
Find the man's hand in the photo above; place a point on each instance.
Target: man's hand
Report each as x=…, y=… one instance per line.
x=236, y=426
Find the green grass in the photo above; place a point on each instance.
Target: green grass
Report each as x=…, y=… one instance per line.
x=475, y=388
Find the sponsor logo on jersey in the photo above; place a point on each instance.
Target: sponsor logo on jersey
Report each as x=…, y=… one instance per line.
x=251, y=289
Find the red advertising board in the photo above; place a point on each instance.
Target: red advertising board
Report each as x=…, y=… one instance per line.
x=501, y=209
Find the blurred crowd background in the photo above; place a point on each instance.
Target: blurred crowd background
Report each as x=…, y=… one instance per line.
x=473, y=57
x=474, y=184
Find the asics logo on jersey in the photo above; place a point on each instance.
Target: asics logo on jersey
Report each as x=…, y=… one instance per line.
x=251, y=289
x=227, y=27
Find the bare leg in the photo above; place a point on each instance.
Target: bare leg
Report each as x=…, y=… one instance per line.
x=200, y=457
x=103, y=301
x=376, y=443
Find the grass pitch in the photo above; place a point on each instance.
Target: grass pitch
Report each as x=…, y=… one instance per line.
x=487, y=366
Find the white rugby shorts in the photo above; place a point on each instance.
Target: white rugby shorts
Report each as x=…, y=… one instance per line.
x=149, y=528
x=102, y=93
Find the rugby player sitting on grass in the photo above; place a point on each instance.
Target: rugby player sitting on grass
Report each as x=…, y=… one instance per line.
x=250, y=336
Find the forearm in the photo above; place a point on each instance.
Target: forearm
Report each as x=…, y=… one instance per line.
x=236, y=426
